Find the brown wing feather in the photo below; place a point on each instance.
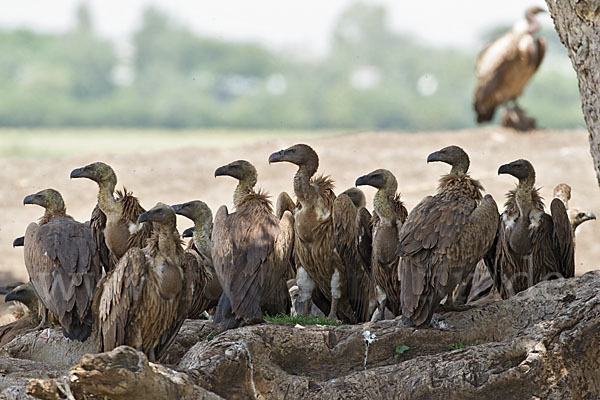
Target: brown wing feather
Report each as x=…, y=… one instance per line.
x=563, y=241
x=131, y=210
x=64, y=268
x=97, y=224
x=284, y=203
x=365, y=237
x=359, y=288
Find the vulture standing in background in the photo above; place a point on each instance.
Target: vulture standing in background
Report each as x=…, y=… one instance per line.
x=114, y=219
x=357, y=196
x=444, y=237
x=562, y=192
x=389, y=215
x=251, y=252
x=26, y=295
x=505, y=66
x=531, y=245
x=63, y=264
x=200, y=245
x=318, y=240
x=144, y=300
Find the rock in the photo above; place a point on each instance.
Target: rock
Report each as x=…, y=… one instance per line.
x=542, y=343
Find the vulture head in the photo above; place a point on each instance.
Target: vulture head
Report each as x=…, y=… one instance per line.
x=380, y=179
x=161, y=213
x=50, y=199
x=530, y=14
x=520, y=169
x=357, y=196
x=25, y=294
x=196, y=210
x=299, y=154
x=19, y=242
x=188, y=233
x=99, y=172
x=454, y=156
x=241, y=170
x=579, y=217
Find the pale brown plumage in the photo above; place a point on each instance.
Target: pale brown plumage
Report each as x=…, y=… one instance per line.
x=444, y=237
x=63, y=264
x=24, y=294
x=205, y=296
x=142, y=302
x=506, y=64
x=562, y=192
x=316, y=249
x=389, y=215
x=114, y=219
x=531, y=245
x=251, y=250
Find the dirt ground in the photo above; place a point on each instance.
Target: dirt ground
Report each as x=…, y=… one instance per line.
x=174, y=176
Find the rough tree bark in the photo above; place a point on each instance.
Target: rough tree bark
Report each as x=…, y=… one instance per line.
x=577, y=23
x=541, y=343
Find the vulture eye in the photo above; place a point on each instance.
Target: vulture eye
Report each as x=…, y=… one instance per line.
x=581, y=215
x=292, y=150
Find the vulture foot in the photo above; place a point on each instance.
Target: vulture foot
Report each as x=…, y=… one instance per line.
x=515, y=118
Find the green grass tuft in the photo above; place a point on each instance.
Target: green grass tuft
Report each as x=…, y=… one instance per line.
x=459, y=345
x=401, y=349
x=301, y=320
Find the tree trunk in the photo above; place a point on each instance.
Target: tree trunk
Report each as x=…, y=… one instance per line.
x=578, y=25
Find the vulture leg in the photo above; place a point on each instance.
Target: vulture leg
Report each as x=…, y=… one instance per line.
x=336, y=293
x=224, y=317
x=379, y=314
x=306, y=286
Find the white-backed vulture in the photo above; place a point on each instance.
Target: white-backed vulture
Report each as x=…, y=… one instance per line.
x=562, y=191
x=143, y=301
x=389, y=215
x=444, y=237
x=114, y=219
x=207, y=296
x=506, y=64
x=531, y=246
x=318, y=261
x=63, y=264
x=357, y=196
x=251, y=251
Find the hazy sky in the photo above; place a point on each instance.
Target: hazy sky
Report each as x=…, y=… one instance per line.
x=278, y=23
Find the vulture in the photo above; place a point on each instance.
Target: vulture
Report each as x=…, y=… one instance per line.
x=562, y=192
x=26, y=295
x=144, y=300
x=357, y=196
x=321, y=230
x=251, y=249
x=389, y=215
x=444, y=237
x=63, y=264
x=189, y=233
x=506, y=64
x=531, y=246
x=207, y=296
x=114, y=219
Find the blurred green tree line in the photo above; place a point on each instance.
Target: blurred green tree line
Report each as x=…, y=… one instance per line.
x=169, y=76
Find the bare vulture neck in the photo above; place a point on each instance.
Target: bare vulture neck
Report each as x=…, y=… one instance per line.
x=382, y=203
x=460, y=168
x=49, y=214
x=524, y=196
x=302, y=187
x=106, y=200
x=244, y=187
x=202, y=233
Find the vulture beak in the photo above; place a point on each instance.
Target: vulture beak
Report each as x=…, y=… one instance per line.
x=189, y=232
x=81, y=173
x=276, y=157
x=33, y=199
x=16, y=294
x=222, y=171
x=180, y=209
x=504, y=169
x=363, y=180
x=145, y=217
x=435, y=156
x=19, y=242
x=8, y=288
x=591, y=215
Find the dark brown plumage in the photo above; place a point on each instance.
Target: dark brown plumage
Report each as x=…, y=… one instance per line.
x=251, y=250
x=532, y=246
x=444, y=237
x=505, y=66
x=142, y=302
x=316, y=246
x=389, y=215
x=357, y=196
x=114, y=219
x=206, y=296
x=63, y=264
x=25, y=294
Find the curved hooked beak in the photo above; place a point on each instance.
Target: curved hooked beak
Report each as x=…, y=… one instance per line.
x=504, y=169
x=221, y=171
x=363, y=180
x=435, y=156
x=19, y=242
x=145, y=217
x=16, y=294
x=81, y=173
x=276, y=157
x=33, y=199
x=189, y=232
